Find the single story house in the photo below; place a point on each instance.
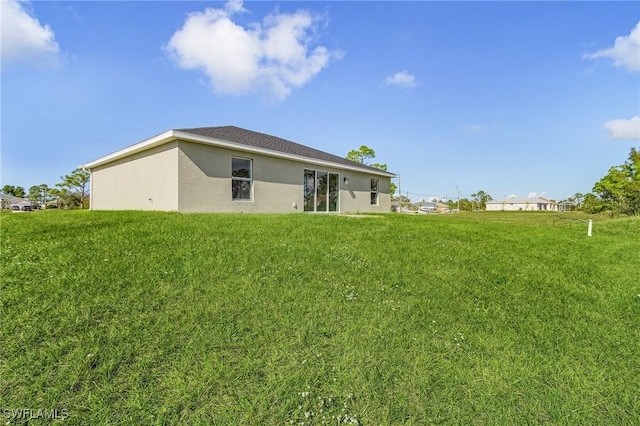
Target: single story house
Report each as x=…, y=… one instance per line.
x=522, y=204
x=443, y=208
x=229, y=169
x=8, y=201
x=433, y=207
x=428, y=207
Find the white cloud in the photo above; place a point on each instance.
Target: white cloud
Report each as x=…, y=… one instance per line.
x=624, y=129
x=274, y=56
x=401, y=79
x=24, y=39
x=625, y=51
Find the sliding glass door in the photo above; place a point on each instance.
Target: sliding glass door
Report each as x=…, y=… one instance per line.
x=321, y=191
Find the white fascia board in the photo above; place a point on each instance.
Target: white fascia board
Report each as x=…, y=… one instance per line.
x=158, y=140
x=246, y=148
x=172, y=135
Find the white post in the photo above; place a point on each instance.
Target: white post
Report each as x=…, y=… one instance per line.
x=589, y=228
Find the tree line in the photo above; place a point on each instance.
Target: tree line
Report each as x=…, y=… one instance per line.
x=618, y=192
x=71, y=193
x=478, y=201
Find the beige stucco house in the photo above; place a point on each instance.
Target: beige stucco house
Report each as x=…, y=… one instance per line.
x=9, y=201
x=229, y=169
x=522, y=204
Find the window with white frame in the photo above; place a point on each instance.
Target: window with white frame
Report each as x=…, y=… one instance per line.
x=374, y=192
x=241, y=181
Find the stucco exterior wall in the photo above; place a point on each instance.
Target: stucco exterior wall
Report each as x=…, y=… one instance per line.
x=143, y=181
x=356, y=196
x=533, y=206
x=505, y=207
x=205, y=183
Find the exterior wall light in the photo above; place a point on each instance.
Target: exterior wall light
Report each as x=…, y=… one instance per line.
x=346, y=181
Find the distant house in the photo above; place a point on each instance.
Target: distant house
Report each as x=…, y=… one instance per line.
x=434, y=207
x=428, y=207
x=229, y=169
x=5, y=202
x=522, y=204
x=9, y=201
x=443, y=208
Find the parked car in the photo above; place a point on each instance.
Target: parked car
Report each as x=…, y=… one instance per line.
x=26, y=208
x=15, y=208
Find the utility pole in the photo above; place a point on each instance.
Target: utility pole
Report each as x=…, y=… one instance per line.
x=458, y=192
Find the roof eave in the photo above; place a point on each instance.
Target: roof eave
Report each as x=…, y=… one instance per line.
x=172, y=135
x=146, y=144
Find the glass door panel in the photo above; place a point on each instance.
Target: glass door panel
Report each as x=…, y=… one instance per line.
x=309, y=190
x=321, y=191
x=334, y=190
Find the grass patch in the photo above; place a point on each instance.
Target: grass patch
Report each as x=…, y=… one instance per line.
x=488, y=318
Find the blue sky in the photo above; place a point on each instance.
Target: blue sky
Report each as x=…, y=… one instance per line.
x=524, y=98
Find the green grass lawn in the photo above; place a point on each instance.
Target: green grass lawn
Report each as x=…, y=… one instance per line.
x=165, y=318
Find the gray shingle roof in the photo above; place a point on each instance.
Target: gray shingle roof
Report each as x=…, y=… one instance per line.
x=273, y=143
x=12, y=198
